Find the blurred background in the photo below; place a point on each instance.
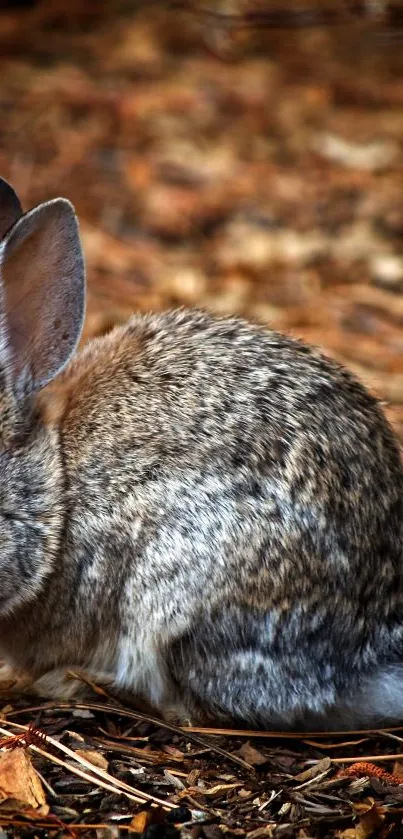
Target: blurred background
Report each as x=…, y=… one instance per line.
x=242, y=156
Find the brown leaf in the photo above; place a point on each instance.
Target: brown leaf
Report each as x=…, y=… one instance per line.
x=219, y=788
x=252, y=755
x=193, y=777
x=370, y=824
x=20, y=785
x=319, y=767
x=363, y=807
x=246, y=793
x=145, y=818
x=141, y=820
x=96, y=758
x=371, y=819
x=172, y=779
x=176, y=754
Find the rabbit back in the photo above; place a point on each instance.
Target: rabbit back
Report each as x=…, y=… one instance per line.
x=257, y=497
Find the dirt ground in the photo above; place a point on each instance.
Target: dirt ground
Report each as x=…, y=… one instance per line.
x=248, y=158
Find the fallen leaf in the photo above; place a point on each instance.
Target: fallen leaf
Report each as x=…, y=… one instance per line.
x=369, y=825
x=371, y=819
x=363, y=807
x=96, y=758
x=176, y=754
x=319, y=767
x=219, y=788
x=193, y=777
x=140, y=821
x=252, y=755
x=20, y=785
x=5, y=710
x=172, y=779
x=245, y=793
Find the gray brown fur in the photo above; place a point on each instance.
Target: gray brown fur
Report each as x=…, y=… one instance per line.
x=206, y=512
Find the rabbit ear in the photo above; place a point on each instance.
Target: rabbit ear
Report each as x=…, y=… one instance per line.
x=10, y=207
x=43, y=290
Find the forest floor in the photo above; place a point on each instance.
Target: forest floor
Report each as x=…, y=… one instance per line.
x=251, y=165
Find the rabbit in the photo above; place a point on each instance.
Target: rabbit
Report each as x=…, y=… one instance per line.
x=202, y=511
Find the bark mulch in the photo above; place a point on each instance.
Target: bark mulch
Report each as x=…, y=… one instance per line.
x=96, y=768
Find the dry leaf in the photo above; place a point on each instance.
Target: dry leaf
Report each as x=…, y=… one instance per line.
x=174, y=753
x=145, y=818
x=319, y=767
x=252, y=755
x=371, y=819
x=245, y=793
x=219, y=788
x=363, y=807
x=172, y=779
x=96, y=758
x=5, y=710
x=20, y=785
x=193, y=777
x=140, y=821
x=370, y=824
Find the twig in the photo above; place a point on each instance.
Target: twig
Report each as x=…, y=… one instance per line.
x=135, y=715
x=102, y=778
x=366, y=758
x=385, y=733
x=317, y=745
x=288, y=735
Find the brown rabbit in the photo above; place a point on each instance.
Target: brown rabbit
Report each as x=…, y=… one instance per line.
x=206, y=512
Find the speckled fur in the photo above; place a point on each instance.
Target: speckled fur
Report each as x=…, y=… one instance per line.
x=209, y=514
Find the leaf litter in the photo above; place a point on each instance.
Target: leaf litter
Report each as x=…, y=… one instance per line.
x=88, y=786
